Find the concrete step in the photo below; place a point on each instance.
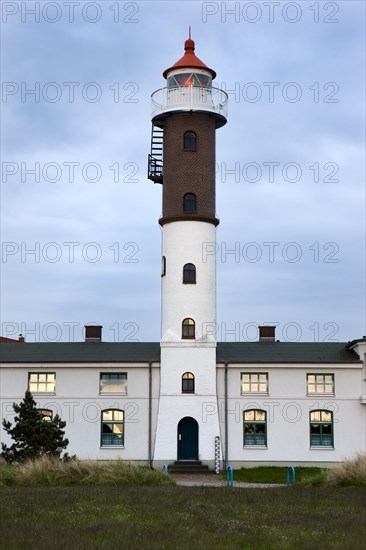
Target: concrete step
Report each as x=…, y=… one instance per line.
x=189, y=467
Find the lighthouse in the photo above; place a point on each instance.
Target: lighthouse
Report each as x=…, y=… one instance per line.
x=185, y=116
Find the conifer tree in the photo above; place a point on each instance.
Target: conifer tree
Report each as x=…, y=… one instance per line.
x=33, y=435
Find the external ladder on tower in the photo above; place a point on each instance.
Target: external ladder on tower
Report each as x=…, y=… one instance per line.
x=155, y=161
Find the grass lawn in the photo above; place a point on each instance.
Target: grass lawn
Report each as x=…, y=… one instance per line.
x=273, y=474
x=170, y=517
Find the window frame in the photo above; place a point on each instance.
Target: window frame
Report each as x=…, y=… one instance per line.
x=321, y=423
x=188, y=326
x=44, y=414
x=252, y=382
x=254, y=424
x=190, y=141
x=321, y=384
x=187, y=274
x=37, y=391
x=187, y=199
x=113, y=422
x=163, y=266
x=113, y=374
x=188, y=380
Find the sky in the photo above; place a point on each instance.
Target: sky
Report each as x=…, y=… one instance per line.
x=80, y=236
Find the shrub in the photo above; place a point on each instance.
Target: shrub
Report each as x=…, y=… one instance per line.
x=32, y=435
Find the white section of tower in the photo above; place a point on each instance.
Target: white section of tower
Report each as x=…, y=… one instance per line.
x=189, y=242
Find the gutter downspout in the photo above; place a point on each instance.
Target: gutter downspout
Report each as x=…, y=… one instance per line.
x=150, y=412
x=226, y=459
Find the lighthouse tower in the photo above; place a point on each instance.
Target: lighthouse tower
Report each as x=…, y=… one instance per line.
x=185, y=116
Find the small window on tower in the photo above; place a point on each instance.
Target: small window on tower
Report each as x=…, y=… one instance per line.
x=188, y=329
x=188, y=382
x=189, y=274
x=189, y=202
x=163, y=266
x=189, y=141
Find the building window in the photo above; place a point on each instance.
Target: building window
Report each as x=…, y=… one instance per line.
x=42, y=382
x=163, y=266
x=112, y=428
x=188, y=329
x=255, y=427
x=189, y=274
x=189, y=202
x=254, y=382
x=321, y=428
x=113, y=382
x=45, y=415
x=189, y=141
x=322, y=384
x=188, y=382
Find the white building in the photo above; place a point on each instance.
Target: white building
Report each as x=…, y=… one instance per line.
x=266, y=402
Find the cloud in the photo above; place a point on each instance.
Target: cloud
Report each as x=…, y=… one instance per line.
x=109, y=199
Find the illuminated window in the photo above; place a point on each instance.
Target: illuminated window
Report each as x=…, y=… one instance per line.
x=189, y=141
x=321, y=428
x=188, y=382
x=255, y=427
x=254, y=382
x=42, y=382
x=188, y=329
x=189, y=274
x=320, y=384
x=189, y=80
x=114, y=382
x=112, y=429
x=189, y=202
x=45, y=415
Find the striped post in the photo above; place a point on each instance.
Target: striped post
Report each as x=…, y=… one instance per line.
x=217, y=454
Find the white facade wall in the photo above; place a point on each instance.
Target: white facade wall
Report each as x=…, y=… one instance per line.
x=78, y=401
x=288, y=406
x=360, y=349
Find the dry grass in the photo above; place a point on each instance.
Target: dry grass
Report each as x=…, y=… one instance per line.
x=51, y=471
x=350, y=472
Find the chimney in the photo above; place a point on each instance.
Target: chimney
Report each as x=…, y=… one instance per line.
x=93, y=333
x=267, y=333
x=21, y=338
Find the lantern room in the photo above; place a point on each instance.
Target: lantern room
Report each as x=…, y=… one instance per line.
x=185, y=77
x=189, y=89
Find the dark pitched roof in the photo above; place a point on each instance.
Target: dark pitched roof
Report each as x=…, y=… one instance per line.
x=285, y=352
x=80, y=352
x=141, y=352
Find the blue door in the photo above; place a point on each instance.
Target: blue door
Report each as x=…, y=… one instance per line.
x=188, y=439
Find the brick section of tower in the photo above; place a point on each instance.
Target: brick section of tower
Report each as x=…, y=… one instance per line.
x=189, y=171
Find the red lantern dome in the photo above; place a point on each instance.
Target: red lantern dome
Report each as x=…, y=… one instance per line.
x=189, y=60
